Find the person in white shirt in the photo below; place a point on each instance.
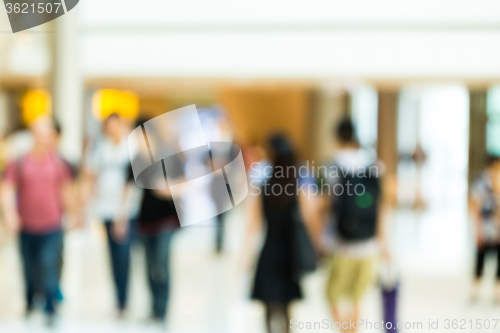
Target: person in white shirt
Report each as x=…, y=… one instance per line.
x=356, y=208
x=105, y=170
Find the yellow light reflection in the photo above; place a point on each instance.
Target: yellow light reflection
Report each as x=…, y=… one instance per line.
x=35, y=103
x=109, y=101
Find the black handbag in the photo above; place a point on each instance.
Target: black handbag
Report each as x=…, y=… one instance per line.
x=303, y=252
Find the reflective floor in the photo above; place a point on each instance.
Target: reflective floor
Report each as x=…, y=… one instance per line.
x=433, y=249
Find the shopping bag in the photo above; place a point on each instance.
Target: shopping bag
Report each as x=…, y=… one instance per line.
x=389, y=283
x=303, y=252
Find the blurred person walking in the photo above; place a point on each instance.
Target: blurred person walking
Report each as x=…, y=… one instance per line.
x=37, y=190
x=276, y=282
x=105, y=173
x=485, y=210
x=217, y=128
x=355, y=205
x=157, y=222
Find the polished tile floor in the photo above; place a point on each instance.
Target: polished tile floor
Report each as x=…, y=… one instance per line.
x=210, y=293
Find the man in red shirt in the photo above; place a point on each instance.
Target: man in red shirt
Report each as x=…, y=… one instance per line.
x=37, y=190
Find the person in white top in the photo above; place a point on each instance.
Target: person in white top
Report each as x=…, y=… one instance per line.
x=356, y=206
x=105, y=170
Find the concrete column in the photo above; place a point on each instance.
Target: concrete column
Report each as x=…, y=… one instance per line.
x=328, y=110
x=67, y=85
x=477, y=132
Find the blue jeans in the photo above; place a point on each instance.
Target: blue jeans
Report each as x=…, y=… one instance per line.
x=158, y=270
x=120, y=263
x=41, y=258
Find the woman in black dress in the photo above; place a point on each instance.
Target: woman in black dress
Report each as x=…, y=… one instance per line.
x=276, y=284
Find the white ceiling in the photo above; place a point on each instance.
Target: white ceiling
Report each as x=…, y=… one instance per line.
x=199, y=12
x=274, y=38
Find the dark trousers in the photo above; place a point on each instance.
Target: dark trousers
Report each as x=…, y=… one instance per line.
x=41, y=258
x=157, y=250
x=219, y=233
x=120, y=263
x=390, y=300
x=481, y=254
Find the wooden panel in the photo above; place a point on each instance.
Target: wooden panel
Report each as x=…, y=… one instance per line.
x=387, y=146
x=259, y=111
x=152, y=106
x=477, y=132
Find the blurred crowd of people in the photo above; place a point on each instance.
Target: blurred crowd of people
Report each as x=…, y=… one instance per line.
x=43, y=196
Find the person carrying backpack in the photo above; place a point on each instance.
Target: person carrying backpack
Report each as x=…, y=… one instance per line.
x=353, y=205
x=37, y=190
